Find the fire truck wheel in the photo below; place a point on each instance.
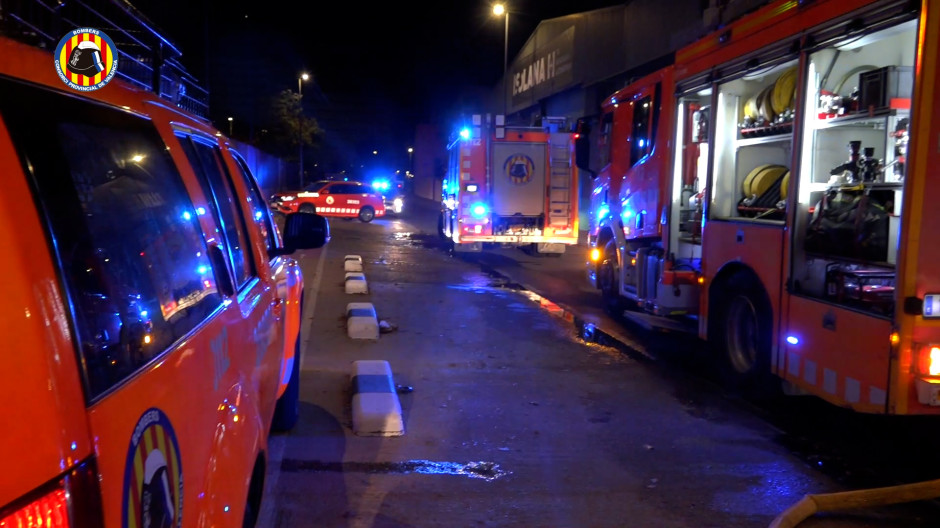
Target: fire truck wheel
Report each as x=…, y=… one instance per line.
x=607, y=278
x=744, y=330
x=307, y=208
x=366, y=214
x=440, y=227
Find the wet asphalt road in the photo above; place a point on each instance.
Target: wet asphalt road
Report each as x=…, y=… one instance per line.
x=514, y=420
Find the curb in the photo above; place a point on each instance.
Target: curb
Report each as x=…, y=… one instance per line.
x=352, y=263
x=355, y=282
x=361, y=321
x=376, y=410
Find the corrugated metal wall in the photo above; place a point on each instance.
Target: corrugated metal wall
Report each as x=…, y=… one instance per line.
x=599, y=51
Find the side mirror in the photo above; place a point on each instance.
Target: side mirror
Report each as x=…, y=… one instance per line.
x=304, y=231
x=582, y=147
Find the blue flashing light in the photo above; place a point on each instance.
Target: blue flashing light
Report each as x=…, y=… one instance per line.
x=200, y=210
x=380, y=185
x=187, y=216
x=144, y=314
x=478, y=210
x=465, y=133
x=641, y=142
x=603, y=211
x=202, y=270
x=793, y=340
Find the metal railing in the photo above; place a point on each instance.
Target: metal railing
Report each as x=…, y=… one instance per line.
x=145, y=57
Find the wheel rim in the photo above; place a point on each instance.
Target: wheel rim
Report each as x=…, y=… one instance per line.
x=366, y=214
x=742, y=333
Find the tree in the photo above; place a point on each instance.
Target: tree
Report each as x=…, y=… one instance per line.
x=290, y=128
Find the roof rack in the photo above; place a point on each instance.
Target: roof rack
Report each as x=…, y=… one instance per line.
x=145, y=57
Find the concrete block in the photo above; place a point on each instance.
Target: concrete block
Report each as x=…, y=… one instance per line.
x=376, y=410
x=356, y=283
x=361, y=321
x=352, y=263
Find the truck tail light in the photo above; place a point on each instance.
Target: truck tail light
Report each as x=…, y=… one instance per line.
x=47, y=511
x=595, y=254
x=71, y=500
x=928, y=361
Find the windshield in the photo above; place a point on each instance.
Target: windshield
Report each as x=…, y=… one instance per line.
x=315, y=186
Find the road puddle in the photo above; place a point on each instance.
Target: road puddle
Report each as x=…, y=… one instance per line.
x=488, y=471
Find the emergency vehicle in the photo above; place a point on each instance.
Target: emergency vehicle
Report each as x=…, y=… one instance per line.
x=774, y=190
x=150, y=310
x=343, y=199
x=511, y=185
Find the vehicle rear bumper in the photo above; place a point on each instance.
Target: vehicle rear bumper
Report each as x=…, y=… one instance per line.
x=520, y=239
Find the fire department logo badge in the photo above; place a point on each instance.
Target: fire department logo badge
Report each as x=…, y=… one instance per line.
x=329, y=200
x=519, y=168
x=153, y=475
x=86, y=59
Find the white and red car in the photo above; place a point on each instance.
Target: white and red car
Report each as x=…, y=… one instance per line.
x=332, y=198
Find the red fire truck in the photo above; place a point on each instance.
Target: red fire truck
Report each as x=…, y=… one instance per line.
x=510, y=185
x=772, y=188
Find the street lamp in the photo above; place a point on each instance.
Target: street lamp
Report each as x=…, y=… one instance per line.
x=304, y=76
x=410, y=152
x=501, y=10
x=230, y=126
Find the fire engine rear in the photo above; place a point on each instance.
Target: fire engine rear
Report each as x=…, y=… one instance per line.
x=510, y=185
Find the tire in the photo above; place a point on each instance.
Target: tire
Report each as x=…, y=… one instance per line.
x=440, y=227
x=307, y=208
x=287, y=410
x=255, y=495
x=744, y=334
x=608, y=281
x=366, y=214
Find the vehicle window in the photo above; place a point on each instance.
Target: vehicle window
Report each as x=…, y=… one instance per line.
x=641, y=143
x=604, y=145
x=259, y=208
x=340, y=188
x=315, y=186
x=207, y=161
x=132, y=257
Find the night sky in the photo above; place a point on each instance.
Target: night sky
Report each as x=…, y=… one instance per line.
x=378, y=68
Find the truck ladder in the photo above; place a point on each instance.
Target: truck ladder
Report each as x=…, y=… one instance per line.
x=559, y=195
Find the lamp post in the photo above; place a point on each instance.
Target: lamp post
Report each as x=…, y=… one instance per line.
x=230, y=120
x=503, y=10
x=300, y=133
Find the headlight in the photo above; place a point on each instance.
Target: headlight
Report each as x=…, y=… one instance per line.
x=398, y=204
x=287, y=198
